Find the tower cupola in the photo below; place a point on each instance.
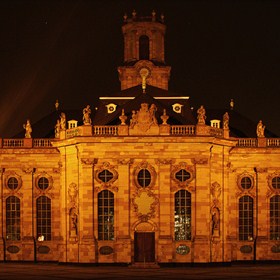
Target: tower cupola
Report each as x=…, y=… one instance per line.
x=144, y=48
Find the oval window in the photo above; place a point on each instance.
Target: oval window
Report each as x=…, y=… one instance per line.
x=144, y=178
x=12, y=183
x=182, y=175
x=105, y=176
x=246, y=183
x=43, y=183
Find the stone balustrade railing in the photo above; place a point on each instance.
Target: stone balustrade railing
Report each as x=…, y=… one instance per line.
x=247, y=142
x=182, y=129
x=26, y=143
x=115, y=130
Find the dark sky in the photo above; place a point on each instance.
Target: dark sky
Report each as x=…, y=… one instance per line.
x=70, y=50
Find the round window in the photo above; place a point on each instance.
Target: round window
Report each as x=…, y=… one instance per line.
x=144, y=178
x=105, y=176
x=276, y=182
x=12, y=183
x=182, y=175
x=246, y=183
x=43, y=183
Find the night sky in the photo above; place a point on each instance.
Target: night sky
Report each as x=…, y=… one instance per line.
x=70, y=51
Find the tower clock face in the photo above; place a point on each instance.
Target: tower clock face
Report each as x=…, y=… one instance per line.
x=144, y=72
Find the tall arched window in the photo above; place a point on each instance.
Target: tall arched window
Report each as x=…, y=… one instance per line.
x=144, y=47
x=182, y=216
x=13, y=218
x=106, y=215
x=44, y=221
x=275, y=217
x=245, y=218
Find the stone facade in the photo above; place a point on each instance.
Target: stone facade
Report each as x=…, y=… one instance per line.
x=142, y=191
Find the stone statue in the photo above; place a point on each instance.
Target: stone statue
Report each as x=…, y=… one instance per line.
x=260, y=129
x=201, y=115
x=73, y=222
x=152, y=112
x=133, y=119
x=28, y=129
x=86, y=115
x=215, y=220
x=57, y=129
x=62, y=121
x=226, y=120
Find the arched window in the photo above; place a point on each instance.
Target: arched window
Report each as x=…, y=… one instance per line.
x=144, y=48
x=245, y=218
x=106, y=215
x=13, y=218
x=275, y=218
x=44, y=222
x=182, y=216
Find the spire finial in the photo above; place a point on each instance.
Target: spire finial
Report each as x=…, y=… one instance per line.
x=56, y=105
x=231, y=104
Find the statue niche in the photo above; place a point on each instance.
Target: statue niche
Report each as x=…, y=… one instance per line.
x=143, y=121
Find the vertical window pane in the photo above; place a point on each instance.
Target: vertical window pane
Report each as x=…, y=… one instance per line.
x=275, y=218
x=13, y=218
x=245, y=218
x=43, y=217
x=182, y=216
x=106, y=215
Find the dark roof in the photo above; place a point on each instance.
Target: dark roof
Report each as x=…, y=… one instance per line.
x=132, y=98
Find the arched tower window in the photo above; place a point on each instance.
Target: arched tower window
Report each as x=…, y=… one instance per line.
x=245, y=218
x=275, y=217
x=106, y=215
x=43, y=204
x=13, y=218
x=144, y=47
x=182, y=216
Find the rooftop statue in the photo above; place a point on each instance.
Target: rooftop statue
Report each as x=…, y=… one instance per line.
x=226, y=121
x=86, y=115
x=28, y=129
x=201, y=115
x=260, y=129
x=62, y=121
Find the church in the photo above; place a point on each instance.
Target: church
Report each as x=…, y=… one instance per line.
x=142, y=178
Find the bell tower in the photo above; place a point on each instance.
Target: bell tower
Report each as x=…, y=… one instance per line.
x=144, y=52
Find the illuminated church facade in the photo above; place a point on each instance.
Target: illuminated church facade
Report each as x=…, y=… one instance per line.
x=144, y=179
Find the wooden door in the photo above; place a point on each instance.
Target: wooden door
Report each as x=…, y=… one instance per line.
x=144, y=247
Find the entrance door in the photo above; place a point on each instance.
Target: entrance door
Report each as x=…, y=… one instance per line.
x=144, y=247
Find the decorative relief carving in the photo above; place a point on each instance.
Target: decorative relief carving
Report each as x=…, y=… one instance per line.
x=27, y=169
x=215, y=191
x=239, y=181
x=8, y=176
x=261, y=170
x=199, y=160
x=160, y=161
x=144, y=121
x=50, y=182
x=104, y=183
x=181, y=183
x=144, y=203
x=89, y=161
x=73, y=194
x=272, y=189
x=125, y=161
